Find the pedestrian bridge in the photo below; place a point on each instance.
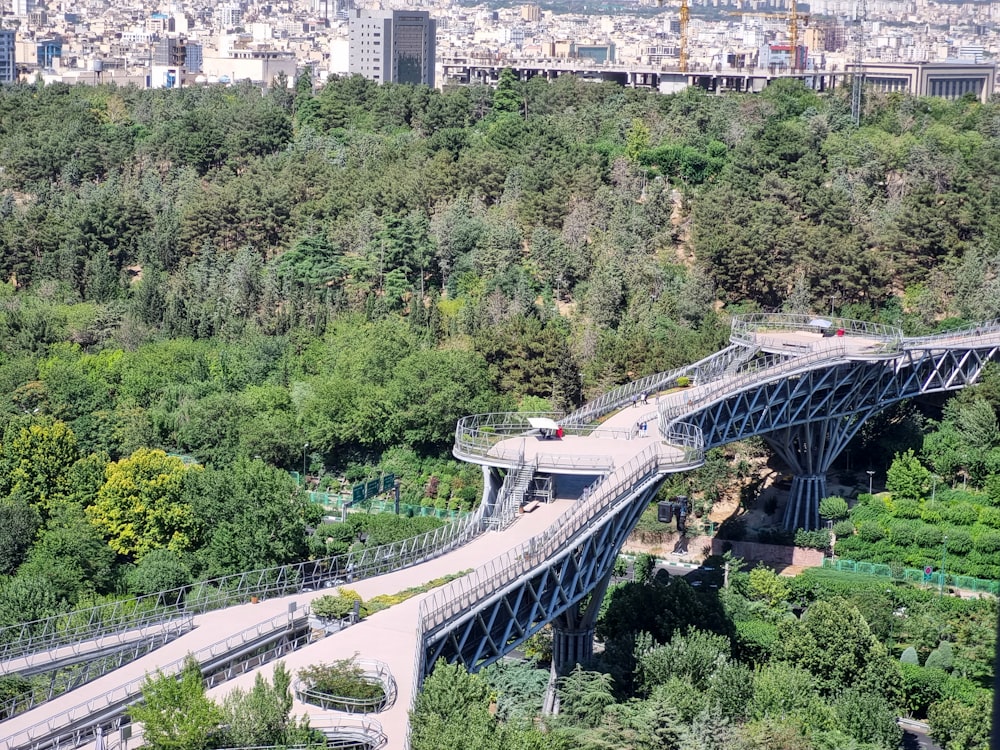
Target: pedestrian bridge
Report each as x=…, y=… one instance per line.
x=783, y=377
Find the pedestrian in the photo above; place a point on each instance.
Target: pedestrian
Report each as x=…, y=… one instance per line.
x=635, y=400
x=644, y=395
x=642, y=428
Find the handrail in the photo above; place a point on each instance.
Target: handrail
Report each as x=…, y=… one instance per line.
x=675, y=405
x=117, y=618
x=129, y=692
x=507, y=502
x=971, y=331
x=93, y=669
x=703, y=369
x=602, y=499
x=746, y=329
x=123, y=639
x=367, y=730
x=373, y=672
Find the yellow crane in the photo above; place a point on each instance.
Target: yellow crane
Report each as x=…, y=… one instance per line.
x=792, y=14
x=685, y=16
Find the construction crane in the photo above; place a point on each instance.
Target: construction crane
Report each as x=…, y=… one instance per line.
x=685, y=16
x=793, y=27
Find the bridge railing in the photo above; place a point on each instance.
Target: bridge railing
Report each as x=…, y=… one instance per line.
x=705, y=369
x=603, y=498
x=372, y=671
x=747, y=329
x=130, y=692
x=478, y=436
x=986, y=328
x=754, y=373
x=118, y=619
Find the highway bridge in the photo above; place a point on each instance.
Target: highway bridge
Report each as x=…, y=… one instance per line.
x=805, y=384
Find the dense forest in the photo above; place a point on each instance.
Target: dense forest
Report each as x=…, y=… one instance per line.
x=823, y=661
x=207, y=289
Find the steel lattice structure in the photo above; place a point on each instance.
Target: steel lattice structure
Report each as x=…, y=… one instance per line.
x=809, y=415
x=807, y=404
x=566, y=589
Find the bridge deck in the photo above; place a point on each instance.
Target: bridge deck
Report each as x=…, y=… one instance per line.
x=387, y=636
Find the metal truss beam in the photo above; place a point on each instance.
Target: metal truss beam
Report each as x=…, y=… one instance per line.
x=809, y=417
x=565, y=590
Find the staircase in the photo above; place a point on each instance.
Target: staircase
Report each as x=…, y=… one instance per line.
x=511, y=496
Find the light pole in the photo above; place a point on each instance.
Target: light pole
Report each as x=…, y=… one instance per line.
x=871, y=474
x=304, y=449
x=832, y=298
x=944, y=554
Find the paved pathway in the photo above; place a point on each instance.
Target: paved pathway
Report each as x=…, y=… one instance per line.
x=388, y=636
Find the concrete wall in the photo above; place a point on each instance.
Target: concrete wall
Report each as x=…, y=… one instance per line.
x=699, y=547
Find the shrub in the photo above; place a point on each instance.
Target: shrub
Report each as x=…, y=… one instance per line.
x=335, y=606
x=871, y=532
x=941, y=658
x=843, y=528
x=833, y=507
x=340, y=679
x=987, y=542
x=960, y=514
x=959, y=541
x=928, y=536
x=909, y=656
x=818, y=539
x=902, y=534
x=989, y=517
x=906, y=508
x=683, y=381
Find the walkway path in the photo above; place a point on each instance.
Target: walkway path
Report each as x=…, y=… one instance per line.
x=387, y=636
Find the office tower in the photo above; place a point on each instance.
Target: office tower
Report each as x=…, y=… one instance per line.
x=396, y=45
x=8, y=70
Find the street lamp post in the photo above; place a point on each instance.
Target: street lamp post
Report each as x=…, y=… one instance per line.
x=944, y=554
x=304, y=449
x=870, y=474
x=832, y=297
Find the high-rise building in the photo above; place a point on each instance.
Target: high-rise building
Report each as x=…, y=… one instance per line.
x=393, y=45
x=22, y=8
x=8, y=70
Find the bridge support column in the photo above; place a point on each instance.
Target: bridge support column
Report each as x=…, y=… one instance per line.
x=492, y=482
x=809, y=449
x=573, y=630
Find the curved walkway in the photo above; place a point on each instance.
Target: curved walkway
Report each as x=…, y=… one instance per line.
x=395, y=635
x=387, y=636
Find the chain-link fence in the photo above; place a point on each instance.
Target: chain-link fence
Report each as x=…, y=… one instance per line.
x=913, y=575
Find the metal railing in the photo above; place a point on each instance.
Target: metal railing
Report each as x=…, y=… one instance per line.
x=617, y=398
x=515, y=484
x=117, y=619
x=604, y=499
x=125, y=695
x=479, y=436
x=149, y=628
x=63, y=678
x=974, y=331
x=373, y=672
x=350, y=731
x=676, y=405
x=747, y=329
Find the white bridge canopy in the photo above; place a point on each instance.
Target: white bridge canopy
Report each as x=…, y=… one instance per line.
x=543, y=423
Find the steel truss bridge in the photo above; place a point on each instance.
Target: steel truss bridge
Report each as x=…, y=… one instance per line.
x=790, y=379
x=805, y=384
